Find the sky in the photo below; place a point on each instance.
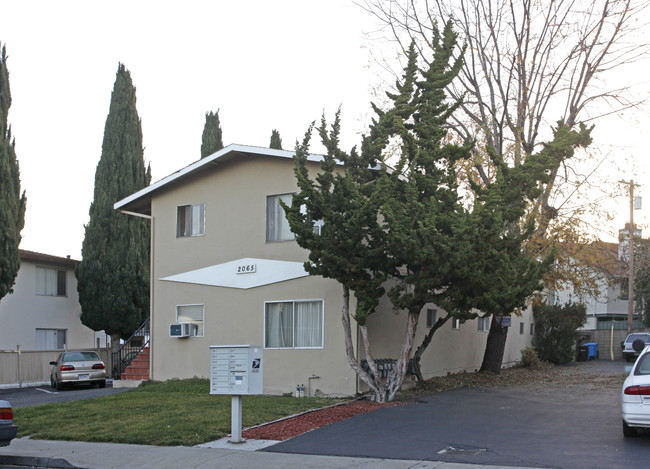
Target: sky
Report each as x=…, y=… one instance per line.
x=264, y=65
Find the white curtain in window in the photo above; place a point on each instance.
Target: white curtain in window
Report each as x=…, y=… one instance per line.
x=277, y=225
x=278, y=325
x=192, y=314
x=50, y=339
x=46, y=281
x=198, y=219
x=309, y=324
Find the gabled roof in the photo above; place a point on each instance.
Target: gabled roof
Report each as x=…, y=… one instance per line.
x=140, y=202
x=46, y=258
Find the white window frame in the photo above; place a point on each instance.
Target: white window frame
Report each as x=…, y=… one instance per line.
x=455, y=324
x=484, y=323
x=201, y=324
x=522, y=328
x=193, y=227
x=293, y=322
x=46, y=286
x=278, y=232
x=532, y=328
x=45, y=338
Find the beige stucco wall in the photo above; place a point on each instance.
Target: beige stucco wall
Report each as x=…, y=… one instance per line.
x=451, y=350
x=235, y=228
x=23, y=311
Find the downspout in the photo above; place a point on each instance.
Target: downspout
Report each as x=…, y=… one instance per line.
x=151, y=283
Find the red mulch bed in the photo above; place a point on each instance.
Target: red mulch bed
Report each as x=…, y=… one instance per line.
x=294, y=426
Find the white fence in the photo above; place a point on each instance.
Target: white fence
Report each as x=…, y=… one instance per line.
x=21, y=367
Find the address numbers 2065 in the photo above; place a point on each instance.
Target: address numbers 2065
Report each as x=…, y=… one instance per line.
x=247, y=268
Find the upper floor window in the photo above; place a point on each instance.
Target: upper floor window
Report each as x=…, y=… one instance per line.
x=190, y=220
x=277, y=225
x=51, y=282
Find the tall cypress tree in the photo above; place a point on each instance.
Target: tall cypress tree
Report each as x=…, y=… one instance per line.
x=12, y=203
x=113, y=276
x=276, y=141
x=211, y=140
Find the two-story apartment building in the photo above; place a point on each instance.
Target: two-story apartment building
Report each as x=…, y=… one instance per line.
x=607, y=264
x=225, y=262
x=43, y=312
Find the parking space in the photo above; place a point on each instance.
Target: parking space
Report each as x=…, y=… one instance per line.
x=34, y=395
x=559, y=427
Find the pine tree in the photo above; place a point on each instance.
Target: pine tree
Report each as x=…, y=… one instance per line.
x=12, y=203
x=276, y=141
x=211, y=141
x=113, y=276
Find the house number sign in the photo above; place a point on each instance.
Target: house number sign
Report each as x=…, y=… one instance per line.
x=246, y=268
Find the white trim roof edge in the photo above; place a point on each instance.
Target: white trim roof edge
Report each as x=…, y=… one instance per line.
x=204, y=161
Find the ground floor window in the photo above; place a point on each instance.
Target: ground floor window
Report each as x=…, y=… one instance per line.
x=484, y=324
x=293, y=324
x=50, y=339
x=193, y=314
x=431, y=318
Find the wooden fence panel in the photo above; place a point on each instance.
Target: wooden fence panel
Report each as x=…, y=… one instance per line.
x=21, y=367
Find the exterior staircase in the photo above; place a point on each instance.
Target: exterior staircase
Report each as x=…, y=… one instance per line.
x=131, y=362
x=138, y=369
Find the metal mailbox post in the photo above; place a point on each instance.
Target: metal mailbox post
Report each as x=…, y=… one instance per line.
x=236, y=370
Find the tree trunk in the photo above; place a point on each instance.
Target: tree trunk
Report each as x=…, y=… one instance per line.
x=396, y=377
x=423, y=346
x=115, y=342
x=379, y=393
x=495, y=347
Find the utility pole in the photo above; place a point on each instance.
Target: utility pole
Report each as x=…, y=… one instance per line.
x=630, y=297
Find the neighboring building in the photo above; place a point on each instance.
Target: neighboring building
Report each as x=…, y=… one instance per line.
x=43, y=312
x=225, y=262
x=608, y=264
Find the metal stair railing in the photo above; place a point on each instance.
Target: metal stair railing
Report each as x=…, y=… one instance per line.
x=131, y=348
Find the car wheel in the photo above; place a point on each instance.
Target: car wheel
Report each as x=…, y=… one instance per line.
x=58, y=385
x=52, y=383
x=628, y=431
x=628, y=358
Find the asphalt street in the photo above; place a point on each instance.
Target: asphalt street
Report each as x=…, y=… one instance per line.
x=498, y=426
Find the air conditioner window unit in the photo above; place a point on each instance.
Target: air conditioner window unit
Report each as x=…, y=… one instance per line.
x=183, y=329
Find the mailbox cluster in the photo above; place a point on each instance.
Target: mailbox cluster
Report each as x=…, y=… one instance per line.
x=236, y=369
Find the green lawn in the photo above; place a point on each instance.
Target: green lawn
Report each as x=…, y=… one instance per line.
x=176, y=412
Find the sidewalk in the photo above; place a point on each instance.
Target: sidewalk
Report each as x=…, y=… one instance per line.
x=109, y=456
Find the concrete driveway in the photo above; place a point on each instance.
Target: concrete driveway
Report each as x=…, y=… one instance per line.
x=576, y=427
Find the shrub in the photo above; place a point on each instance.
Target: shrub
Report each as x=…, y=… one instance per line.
x=556, y=331
x=529, y=358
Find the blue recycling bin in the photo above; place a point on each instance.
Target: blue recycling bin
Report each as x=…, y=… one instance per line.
x=592, y=350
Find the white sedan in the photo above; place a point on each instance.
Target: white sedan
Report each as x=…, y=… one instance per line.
x=635, y=396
